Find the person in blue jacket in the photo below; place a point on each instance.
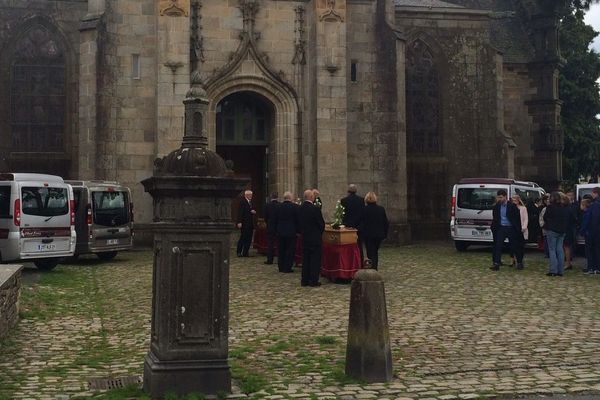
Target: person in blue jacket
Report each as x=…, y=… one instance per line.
x=594, y=230
x=586, y=208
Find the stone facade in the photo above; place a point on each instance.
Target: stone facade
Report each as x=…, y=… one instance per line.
x=10, y=289
x=402, y=97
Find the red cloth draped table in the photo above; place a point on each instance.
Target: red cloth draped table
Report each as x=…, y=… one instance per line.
x=340, y=261
x=260, y=240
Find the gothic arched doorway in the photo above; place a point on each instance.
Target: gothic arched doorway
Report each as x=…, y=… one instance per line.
x=244, y=122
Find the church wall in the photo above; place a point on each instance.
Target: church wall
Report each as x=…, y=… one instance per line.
x=62, y=17
x=518, y=89
x=471, y=141
x=127, y=140
x=376, y=142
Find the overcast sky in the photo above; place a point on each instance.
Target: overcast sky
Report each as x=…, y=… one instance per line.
x=592, y=17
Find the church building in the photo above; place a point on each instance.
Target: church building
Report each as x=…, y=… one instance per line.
x=400, y=97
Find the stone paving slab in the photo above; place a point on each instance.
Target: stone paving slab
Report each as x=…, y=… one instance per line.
x=458, y=330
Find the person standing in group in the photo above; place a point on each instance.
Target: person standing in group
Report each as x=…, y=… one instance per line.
x=245, y=223
x=571, y=234
x=545, y=199
x=354, y=206
x=586, y=207
x=557, y=220
x=524, y=235
x=373, y=228
x=270, y=212
x=506, y=223
x=312, y=226
x=286, y=227
x=594, y=229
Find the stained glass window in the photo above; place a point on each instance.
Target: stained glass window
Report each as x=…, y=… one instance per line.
x=422, y=100
x=37, y=92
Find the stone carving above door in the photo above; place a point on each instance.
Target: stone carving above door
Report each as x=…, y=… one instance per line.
x=330, y=14
x=174, y=8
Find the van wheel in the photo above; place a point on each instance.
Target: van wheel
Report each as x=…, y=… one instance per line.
x=107, y=256
x=460, y=245
x=46, y=264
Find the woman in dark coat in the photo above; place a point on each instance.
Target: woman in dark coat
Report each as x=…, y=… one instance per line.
x=557, y=220
x=373, y=227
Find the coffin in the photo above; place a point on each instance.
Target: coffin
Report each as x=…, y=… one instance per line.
x=340, y=236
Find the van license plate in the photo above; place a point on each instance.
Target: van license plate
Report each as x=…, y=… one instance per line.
x=481, y=233
x=46, y=247
x=112, y=241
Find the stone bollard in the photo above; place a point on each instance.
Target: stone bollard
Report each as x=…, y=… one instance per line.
x=368, y=352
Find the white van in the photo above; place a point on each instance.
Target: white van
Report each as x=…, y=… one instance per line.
x=472, y=202
x=37, y=219
x=103, y=218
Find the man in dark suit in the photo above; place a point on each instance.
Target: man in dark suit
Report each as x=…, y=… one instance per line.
x=506, y=223
x=312, y=226
x=286, y=228
x=270, y=212
x=354, y=206
x=245, y=223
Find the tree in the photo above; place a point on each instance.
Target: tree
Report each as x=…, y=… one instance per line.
x=580, y=93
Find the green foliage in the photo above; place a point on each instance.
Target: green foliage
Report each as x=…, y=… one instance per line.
x=338, y=215
x=326, y=340
x=580, y=94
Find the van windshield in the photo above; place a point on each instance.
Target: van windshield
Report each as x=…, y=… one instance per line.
x=111, y=208
x=476, y=198
x=583, y=192
x=44, y=201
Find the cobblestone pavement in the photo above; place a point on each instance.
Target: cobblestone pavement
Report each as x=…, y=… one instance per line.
x=459, y=330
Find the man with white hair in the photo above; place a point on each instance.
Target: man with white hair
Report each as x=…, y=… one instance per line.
x=286, y=228
x=312, y=226
x=245, y=223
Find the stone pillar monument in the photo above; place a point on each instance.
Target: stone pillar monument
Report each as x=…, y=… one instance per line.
x=192, y=190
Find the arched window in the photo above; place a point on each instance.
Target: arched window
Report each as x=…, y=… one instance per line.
x=422, y=100
x=37, y=92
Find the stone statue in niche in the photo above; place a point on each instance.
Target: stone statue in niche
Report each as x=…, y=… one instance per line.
x=174, y=8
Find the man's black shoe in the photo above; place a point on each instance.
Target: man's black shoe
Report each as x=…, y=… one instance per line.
x=239, y=254
x=303, y=284
x=558, y=275
x=495, y=267
x=550, y=274
x=315, y=284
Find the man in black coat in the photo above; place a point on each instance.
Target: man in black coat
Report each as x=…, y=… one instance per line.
x=312, y=226
x=270, y=212
x=506, y=223
x=245, y=223
x=286, y=228
x=354, y=206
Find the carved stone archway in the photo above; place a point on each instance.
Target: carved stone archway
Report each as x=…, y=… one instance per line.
x=284, y=147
